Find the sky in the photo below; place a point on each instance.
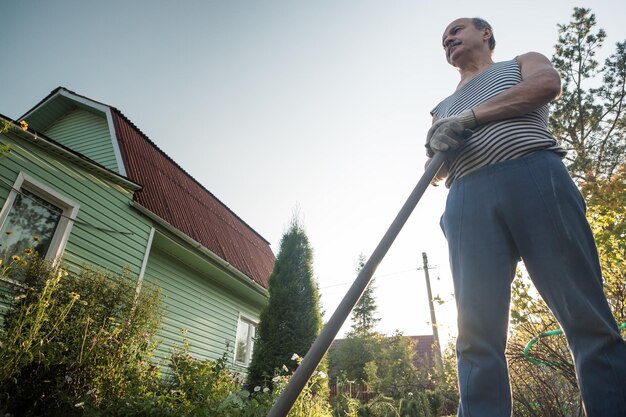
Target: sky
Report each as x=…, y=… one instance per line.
x=316, y=107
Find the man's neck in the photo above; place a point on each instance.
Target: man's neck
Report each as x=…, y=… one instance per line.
x=471, y=69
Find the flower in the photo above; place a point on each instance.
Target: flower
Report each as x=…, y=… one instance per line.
x=8, y=232
x=74, y=295
x=20, y=296
x=145, y=335
x=28, y=251
x=257, y=389
x=24, y=125
x=295, y=357
x=285, y=368
x=410, y=394
x=276, y=379
x=322, y=374
x=36, y=238
x=266, y=390
x=16, y=258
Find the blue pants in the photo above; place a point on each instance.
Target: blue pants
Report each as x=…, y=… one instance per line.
x=528, y=208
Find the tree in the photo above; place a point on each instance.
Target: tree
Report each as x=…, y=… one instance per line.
x=292, y=320
x=392, y=372
x=361, y=345
x=589, y=120
x=364, y=313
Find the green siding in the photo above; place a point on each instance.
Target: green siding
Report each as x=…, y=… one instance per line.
x=104, y=212
x=86, y=133
x=199, y=295
x=192, y=300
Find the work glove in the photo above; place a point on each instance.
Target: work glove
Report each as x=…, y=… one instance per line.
x=450, y=133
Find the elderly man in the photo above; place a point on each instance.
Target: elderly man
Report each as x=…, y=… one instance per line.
x=511, y=197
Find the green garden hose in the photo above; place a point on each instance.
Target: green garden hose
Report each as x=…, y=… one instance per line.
x=542, y=335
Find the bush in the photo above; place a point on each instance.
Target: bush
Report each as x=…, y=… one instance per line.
x=80, y=344
x=75, y=339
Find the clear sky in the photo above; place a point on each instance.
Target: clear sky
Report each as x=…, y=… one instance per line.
x=320, y=106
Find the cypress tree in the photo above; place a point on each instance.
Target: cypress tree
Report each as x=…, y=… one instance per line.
x=292, y=320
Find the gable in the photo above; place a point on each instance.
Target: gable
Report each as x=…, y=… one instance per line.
x=85, y=133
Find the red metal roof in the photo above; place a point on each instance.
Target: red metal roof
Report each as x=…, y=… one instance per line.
x=172, y=194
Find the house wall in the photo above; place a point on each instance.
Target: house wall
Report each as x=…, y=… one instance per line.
x=86, y=133
x=194, y=300
x=107, y=232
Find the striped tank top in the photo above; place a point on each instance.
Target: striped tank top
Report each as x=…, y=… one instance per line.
x=500, y=140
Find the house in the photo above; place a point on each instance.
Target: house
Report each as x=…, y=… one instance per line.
x=98, y=191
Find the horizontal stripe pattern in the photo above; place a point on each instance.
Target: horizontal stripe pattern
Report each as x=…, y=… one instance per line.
x=501, y=140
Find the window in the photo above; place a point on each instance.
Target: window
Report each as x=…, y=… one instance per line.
x=244, y=344
x=34, y=217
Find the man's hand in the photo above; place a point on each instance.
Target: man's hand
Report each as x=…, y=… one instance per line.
x=450, y=133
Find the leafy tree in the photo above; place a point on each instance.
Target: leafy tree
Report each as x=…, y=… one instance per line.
x=349, y=356
x=392, y=372
x=292, y=320
x=588, y=119
x=606, y=199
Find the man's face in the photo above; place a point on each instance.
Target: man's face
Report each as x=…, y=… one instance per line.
x=460, y=38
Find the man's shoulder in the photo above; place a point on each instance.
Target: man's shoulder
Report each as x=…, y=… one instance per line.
x=531, y=57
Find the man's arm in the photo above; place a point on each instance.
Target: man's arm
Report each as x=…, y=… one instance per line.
x=540, y=84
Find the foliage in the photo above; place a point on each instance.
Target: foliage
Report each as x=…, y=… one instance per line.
x=312, y=401
x=392, y=373
x=202, y=384
x=5, y=125
x=347, y=358
x=589, y=117
x=79, y=344
x=74, y=339
x=292, y=320
x=606, y=199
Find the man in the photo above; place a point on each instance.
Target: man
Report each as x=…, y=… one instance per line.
x=511, y=197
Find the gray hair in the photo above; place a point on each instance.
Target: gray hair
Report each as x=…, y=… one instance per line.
x=481, y=24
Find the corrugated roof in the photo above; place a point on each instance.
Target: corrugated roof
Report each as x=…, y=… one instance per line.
x=175, y=196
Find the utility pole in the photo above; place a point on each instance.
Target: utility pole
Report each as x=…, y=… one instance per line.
x=433, y=318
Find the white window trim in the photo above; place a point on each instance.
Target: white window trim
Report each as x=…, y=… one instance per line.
x=245, y=319
x=70, y=210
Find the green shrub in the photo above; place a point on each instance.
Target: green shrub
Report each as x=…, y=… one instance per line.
x=72, y=339
x=80, y=344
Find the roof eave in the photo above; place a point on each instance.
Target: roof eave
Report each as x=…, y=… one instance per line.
x=248, y=281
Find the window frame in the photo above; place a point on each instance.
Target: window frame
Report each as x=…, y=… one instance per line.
x=68, y=206
x=253, y=324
